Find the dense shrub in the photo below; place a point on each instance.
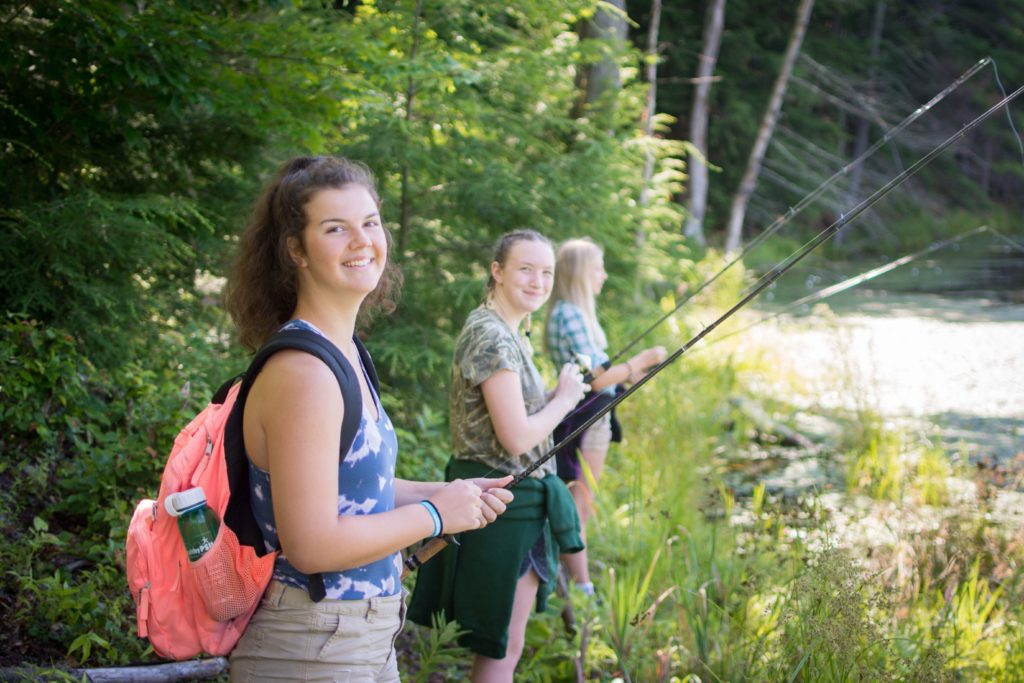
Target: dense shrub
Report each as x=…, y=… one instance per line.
x=81, y=444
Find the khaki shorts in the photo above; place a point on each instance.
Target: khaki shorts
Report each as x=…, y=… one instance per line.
x=598, y=436
x=292, y=638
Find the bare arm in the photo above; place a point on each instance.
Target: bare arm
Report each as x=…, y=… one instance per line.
x=518, y=432
x=616, y=374
x=297, y=426
x=631, y=370
x=407, y=491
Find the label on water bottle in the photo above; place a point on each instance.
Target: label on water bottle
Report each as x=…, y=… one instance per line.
x=199, y=549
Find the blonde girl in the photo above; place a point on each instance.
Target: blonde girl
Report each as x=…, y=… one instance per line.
x=572, y=331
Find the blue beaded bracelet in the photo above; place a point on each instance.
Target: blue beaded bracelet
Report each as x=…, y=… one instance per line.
x=434, y=515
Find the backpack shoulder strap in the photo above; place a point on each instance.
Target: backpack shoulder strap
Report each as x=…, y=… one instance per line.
x=371, y=371
x=321, y=347
x=238, y=515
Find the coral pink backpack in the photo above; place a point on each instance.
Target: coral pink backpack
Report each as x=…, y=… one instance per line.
x=183, y=607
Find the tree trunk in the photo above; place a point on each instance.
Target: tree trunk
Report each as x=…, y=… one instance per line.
x=734, y=231
x=698, y=167
x=651, y=75
x=410, y=94
x=595, y=81
x=863, y=125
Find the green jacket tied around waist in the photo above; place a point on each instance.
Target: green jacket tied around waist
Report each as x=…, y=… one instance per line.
x=474, y=583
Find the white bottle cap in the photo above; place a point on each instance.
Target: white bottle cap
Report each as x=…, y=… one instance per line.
x=177, y=503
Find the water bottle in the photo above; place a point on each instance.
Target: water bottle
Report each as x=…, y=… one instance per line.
x=197, y=523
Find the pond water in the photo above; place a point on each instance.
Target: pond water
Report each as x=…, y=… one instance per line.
x=935, y=348
x=937, y=345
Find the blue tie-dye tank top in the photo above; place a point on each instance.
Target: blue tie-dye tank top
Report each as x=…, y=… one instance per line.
x=366, y=478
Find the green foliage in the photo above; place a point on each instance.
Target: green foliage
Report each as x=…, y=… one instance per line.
x=878, y=471
x=80, y=606
x=930, y=478
x=93, y=262
x=423, y=444
x=437, y=650
x=625, y=602
x=921, y=50
x=82, y=445
x=828, y=627
x=893, y=466
x=549, y=651
x=133, y=137
x=482, y=148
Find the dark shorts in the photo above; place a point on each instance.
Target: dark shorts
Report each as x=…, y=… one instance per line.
x=537, y=560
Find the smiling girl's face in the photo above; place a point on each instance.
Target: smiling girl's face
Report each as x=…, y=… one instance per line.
x=344, y=247
x=523, y=282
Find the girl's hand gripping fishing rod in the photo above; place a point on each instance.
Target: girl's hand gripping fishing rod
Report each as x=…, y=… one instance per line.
x=637, y=367
x=436, y=545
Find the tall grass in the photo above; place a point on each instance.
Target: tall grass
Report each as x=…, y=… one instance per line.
x=698, y=582
x=689, y=595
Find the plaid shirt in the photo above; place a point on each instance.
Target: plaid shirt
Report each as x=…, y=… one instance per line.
x=567, y=334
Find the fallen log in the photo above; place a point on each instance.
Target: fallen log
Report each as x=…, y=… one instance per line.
x=158, y=673
x=766, y=425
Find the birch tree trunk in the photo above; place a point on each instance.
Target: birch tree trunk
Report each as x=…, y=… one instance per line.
x=734, y=231
x=714, y=22
x=651, y=76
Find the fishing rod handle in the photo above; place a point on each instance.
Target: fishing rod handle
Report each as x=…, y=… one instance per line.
x=425, y=552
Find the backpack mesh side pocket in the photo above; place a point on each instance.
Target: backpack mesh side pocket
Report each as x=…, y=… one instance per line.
x=224, y=580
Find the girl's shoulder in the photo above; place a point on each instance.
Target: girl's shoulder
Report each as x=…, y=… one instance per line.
x=481, y=321
x=484, y=329
x=563, y=310
x=564, y=305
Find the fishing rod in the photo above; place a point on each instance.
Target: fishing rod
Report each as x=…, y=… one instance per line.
x=793, y=211
x=436, y=545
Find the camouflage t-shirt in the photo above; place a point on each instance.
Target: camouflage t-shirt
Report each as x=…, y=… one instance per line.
x=485, y=346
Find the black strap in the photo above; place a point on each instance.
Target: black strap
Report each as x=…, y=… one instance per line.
x=238, y=515
x=371, y=371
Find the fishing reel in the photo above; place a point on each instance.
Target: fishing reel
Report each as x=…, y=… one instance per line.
x=583, y=362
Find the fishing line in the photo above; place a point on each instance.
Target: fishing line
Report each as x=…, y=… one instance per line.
x=434, y=546
x=861, y=278
x=1016, y=245
x=793, y=211
x=1009, y=118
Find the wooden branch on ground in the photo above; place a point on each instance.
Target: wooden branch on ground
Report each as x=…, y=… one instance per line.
x=159, y=673
x=156, y=673
x=766, y=425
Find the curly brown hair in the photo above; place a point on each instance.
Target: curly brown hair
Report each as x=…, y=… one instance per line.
x=262, y=291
